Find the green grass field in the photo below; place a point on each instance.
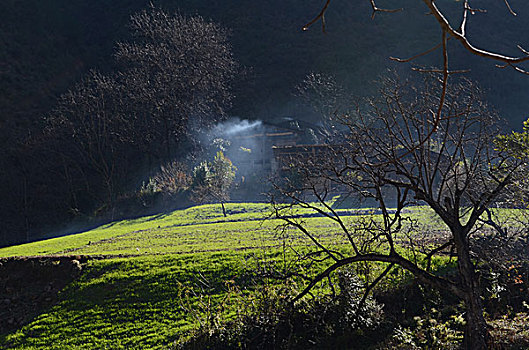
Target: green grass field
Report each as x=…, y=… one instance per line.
x=133, y=299
x=126, y=303
x=145, y=286
x=197, y=229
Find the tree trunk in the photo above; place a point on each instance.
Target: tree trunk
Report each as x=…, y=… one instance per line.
x=476, y=332
x=167, y=141
x=223, y=209
x=110, y=196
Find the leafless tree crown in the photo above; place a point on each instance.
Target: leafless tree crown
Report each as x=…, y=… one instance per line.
x=389, y=159
x=449, y=31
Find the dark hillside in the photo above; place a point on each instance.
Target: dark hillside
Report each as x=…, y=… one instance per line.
x=50, y=44
x=47, y=46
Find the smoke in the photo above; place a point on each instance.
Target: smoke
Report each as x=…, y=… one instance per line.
x=244, y=143
x=235, y=126
x=235, y=135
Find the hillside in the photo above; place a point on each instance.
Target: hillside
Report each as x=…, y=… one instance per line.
x=136, y=276
x=48, y=46
x=154, y=282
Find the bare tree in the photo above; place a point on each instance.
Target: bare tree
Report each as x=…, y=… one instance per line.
x=325, y=96
x=174, y=77
x=91, y=130
x=177, y=73
x=173, y=178
x=389, y=159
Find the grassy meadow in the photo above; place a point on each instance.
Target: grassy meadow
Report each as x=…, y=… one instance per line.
x=152, y=281
x=135, y=294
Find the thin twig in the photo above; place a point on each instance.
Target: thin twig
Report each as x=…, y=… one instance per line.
x=320, y=15
x=377, y=9
x=404, y=60
x=509, y=7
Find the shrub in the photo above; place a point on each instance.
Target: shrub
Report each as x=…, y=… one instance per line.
x=266, y=319
x=173, y=178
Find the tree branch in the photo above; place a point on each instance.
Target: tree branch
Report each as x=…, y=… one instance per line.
x=429, y=256
x=377, y=9
x=445, y=25
x=320, y=15
x=405, y=60
x=423, y=276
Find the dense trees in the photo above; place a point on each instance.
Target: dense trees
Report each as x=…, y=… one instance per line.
x=395, y=156
x=176, y=75
x=82, y=35
x=172, y=79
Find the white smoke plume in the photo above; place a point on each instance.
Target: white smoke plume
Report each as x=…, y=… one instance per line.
x=234, y=127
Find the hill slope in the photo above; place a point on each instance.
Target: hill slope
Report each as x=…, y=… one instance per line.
x=48, y=45
x=148, y=283
x=133, y=301
x=138, y=278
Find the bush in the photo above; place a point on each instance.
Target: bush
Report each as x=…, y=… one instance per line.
x=173, y=178
x=266, y=319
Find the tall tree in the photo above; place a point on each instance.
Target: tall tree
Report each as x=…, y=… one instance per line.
x=92, y=131
x=390, y=159
x=174, y=78
x=177, y=73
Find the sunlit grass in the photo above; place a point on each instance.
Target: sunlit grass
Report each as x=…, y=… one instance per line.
x=136, y=301
x=126, y=303
x=196, y=229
